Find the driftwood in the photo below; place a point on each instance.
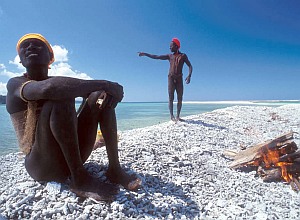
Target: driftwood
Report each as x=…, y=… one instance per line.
x=253, y=155
x=270, y=175
x=290, y=157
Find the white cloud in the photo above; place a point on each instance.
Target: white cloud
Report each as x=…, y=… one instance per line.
x=5, y=72
x=64, y=69
x=59, y=68
x=3, y=90
x=60, y=53
x=17, y=63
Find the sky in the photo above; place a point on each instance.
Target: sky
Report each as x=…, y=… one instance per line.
x=239, y=50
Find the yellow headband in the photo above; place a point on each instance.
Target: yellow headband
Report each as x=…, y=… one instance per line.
x=39, y=37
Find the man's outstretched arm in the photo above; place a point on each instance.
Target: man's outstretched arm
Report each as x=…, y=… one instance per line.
x=157, y=57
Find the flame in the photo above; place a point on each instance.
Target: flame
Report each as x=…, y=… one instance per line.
x=284, y=173
x=271, y=159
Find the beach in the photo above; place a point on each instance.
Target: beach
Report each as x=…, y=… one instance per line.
x=184, y=172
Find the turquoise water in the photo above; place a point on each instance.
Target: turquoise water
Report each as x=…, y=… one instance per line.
x=129, y=116
x=138, y=115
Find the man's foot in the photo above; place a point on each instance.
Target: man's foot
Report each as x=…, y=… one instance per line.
x=94, y=195
x=179, y=119
x=90, y=187
x=173, y=118
x=130, y=182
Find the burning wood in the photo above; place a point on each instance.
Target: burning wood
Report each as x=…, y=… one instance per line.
x=278, y=159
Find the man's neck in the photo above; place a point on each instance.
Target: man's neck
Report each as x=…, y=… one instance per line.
x=37, y=73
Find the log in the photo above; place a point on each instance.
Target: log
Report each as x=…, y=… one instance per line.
x=290, y=157
x=289, y=147
x=295, y=184
x=275, y=173
x=294, y=168
x=253, y=155
x=269, y=175
x=229, y=153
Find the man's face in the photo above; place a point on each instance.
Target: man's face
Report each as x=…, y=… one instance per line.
x=173, y=47
x=34, y=52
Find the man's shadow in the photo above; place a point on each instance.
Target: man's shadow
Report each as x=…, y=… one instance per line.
x=150, y=199
x=199, y=122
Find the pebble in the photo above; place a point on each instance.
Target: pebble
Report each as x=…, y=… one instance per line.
x=184, y=172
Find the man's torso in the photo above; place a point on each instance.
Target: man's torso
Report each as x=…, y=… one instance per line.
x=176, y=64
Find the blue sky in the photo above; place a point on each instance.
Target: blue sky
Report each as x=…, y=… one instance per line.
x=240, y=50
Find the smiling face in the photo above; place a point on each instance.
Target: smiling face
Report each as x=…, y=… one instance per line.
x=34, y=52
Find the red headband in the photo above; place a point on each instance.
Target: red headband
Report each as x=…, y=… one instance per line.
x=176, y=41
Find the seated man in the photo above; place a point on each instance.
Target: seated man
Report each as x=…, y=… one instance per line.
x=54, y=138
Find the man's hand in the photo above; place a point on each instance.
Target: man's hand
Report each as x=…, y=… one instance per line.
x=106, y=100
x=188, y=79
x=141, y=54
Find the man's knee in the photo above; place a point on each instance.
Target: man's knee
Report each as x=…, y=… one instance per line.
x=171, y=95
x=60, y=109
x=58, y=103
x=179, y=98
x=171, y=98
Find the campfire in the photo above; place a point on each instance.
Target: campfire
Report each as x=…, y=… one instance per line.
x=275, y=160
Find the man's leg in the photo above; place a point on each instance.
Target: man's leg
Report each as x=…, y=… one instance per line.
x=108, y=124
x=179, y=91
x=46, y=161
x=171, y=90
x=56, y=152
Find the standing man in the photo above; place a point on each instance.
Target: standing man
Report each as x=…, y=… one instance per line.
x=175, y=82
x=55, y=140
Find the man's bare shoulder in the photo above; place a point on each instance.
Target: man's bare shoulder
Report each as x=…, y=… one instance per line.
x=165, y=57
x=185, y=56
x=17, y=79
x=15, y=82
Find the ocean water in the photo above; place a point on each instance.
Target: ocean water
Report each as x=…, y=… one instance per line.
x=130, y=116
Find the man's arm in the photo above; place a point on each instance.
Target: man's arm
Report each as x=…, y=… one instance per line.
x=157, y=57
x=60, y=88
x=188, y=63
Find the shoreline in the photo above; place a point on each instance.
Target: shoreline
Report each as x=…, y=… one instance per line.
x=225, y=101
x=184, y=173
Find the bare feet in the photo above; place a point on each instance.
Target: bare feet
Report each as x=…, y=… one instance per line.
x=90, y=187
x=130, y=182
x=179, y=119
x=173, y=118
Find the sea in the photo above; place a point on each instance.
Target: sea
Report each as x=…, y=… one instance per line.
x=132, y=115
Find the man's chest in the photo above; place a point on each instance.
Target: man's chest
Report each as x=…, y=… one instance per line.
x=177, y=59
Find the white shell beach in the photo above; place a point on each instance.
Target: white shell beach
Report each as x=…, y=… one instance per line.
x=185, y=174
